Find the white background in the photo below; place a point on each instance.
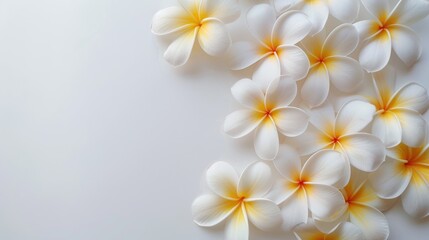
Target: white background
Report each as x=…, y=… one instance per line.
x=101, y=139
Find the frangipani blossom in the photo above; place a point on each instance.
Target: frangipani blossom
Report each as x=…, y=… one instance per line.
x=267, y=113
x=405, y=174
x=398, y=116
x=346, y=231
x=308, y=188
x=202, y=20
x=388, y=30
x=238, y=200
x=275, y=48
x=342, y=132
x=329, y=63
x=318, y=10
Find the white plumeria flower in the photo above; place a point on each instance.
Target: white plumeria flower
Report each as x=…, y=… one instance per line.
x=405, y=174
x=237, y=200
x=308, y=188
x=342, y=132
x=275, y=49
x=267, y=113
x=388, y=30
x=203, y=20
x=346, y=231
x=399, y=111
x=318, y=10
x=362, y=208
x=329, y=63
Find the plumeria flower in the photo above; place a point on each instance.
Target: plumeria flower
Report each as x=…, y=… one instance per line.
x=329, y=62
x=275, y=49
x=362, y=208
x=346, y=231
x=237, y=200
x=342, y=132
x=308, y=188
x=406, y=174
x=202, y=20
x=399, y=111
x=388, y=29
x=266, y=114
x=318, y=10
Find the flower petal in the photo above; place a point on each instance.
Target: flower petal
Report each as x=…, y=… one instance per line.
x=178, y=53
x=311, y=141
x=372, y=222
x=255, y=181
x=415, y=199
x=318, y=14
x=377, y=7
x=288, y=163
x=213, y=37
x=291, y=121
x=248, y=93
x=324, y=201
x=295, y=210
x=411, y=11
x=260, y=21
x=413, y=127
x=224, y=10
x=344, y=10
x=387, y=127
x=264, y=214
x=375, y=53
x=240, y=123
x=192, y=6
x=291, y=27
x=411, y=96
x=342, y=41
x=282, y=190
x=315, y=90
x=267, y=71
x=170, y=20
x=293, y=61
x=280, y=93
x=345, y=73
x=237, y=227
x=324, y=167
x=244, y=54
x=391, y=179
x=353, y=117
x=364, y=151
x=222, y=179
x=366, y=28
x=406, y=44
x=210, y=210
x=267, y=140
x=347, y=231
x=323, y=118
x=282, y=5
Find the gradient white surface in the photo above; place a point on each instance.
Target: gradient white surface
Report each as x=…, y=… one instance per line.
x=101, y=139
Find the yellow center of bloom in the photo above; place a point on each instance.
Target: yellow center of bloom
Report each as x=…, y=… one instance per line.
x=416, y=161
x=270, y=46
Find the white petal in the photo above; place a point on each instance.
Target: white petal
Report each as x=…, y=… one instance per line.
x=209, y=210
x=377, y=7
x=365, y=152
x=345, y=73
x=294, y=62
x=353, y=117
x=288, y=163
x=260, y=21
x=311, y=141
x=411, y=96
x=214, y=38
x=324, y=201
x=240, y=123
x=366, y=28
x=348, y=231
x=266, y=140
x=316, y=86
x=329, y=227
x=282, y=190
x=280, y=93
x=411, y=11
x=324, y=167
x=170, y=20
x=387, y=127
x=295, y=210
x=376, y=52
x=318, y=14
x=237, y=227
x=391, y=179
x=264, y=214
x=267, y=71
x=415, y=199
x=413, y=127
x=372, y=222
x=224, y=10
x=291, y=27
x=342, y=41
x=178, y=53
x=192, y=6
x=406, y=44
x=291, y=121
x=222, y=179
x=248, y=93
x=323, y=118
x=244, y=54
x=282, y=5
x=255, y=181
x=344, y=10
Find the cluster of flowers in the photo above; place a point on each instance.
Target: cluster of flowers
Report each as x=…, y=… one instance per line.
x=337, y=170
